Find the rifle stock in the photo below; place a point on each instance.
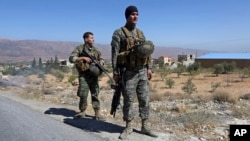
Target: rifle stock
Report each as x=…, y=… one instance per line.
x=119, y=89
x=116, y=98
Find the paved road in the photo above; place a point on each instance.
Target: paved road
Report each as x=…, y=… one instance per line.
x=20, y=123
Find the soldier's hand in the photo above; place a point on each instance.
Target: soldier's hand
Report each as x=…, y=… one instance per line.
x=87, y=59
x=116, y=78
x=101, y=62
x=149, y=72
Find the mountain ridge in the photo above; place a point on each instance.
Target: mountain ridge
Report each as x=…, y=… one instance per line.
x=26, y=50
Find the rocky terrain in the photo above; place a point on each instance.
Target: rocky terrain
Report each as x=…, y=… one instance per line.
x=204, y=115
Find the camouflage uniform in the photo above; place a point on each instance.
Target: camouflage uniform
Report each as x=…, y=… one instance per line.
x=86, y=80
x=135, y=76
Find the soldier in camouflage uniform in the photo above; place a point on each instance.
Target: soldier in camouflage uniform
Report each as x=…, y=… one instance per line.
x=137, y=72
x=88, y=81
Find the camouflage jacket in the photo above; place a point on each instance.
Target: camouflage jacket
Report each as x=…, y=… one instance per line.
x=78, y=52
x=116, y=44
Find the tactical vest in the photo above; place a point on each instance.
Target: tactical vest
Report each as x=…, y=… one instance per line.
x=127, y=56
x=83, y=65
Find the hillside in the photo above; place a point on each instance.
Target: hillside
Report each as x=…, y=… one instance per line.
x=23, y=50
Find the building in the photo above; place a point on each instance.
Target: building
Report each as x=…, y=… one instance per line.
x=209, y=60
x=186, y=60
x=65, y=62
x=166, y=60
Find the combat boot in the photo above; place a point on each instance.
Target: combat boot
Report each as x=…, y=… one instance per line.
x=127, y=131
x=146, y=130
x=98, y=116
x=80, y=115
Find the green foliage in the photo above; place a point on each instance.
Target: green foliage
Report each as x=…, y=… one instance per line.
x=224, y=68
x=58, y=74
x=218, y=69
x=206, y=71
x=74, y=70
x=56, y=63
x=170, y=82
x=229, y=67
x=194, y=69
x=189, y=86
x=40, y=65
x=72, y=78
x=65, y=69
x=164, y=72
x=180, y=69
x=243, y=73
x=33, y=65
x=41, y=75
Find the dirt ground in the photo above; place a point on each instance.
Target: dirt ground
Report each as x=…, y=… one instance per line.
x=205, y=114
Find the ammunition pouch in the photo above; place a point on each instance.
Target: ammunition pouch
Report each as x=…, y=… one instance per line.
x=82, y=66
x=133, y=51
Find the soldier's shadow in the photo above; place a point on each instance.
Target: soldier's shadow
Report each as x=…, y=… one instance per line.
x=87, y=124
x=60, y=111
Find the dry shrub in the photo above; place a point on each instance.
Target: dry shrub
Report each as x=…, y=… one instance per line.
x=156, y=97
x=205, y=97
x=199, y=121
x=32, y=93
x=48, y=91
x=246, y=96
x=223, y=96
x=152, y=87
x=241, y=110
x=180, y=108
x=174, y=96
x=37, y=82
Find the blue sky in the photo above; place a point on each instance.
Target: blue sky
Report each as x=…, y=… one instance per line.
x=215, y=25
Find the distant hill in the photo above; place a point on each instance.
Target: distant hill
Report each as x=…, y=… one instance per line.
x=26, y=50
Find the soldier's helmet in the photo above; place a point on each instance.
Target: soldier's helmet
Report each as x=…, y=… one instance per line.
x=144, y=49
x=94, y=70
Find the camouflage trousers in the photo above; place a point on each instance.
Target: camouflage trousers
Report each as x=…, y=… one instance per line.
x=136, y=84
x=88, y=83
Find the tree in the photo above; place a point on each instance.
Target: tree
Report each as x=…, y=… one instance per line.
x=189, y=87
x=56, y=63
x=180, y=69
x=164, y=72
x=33, y=65
x=40, y=65
x=194, y=69
x=229, y=67
x=218, y=69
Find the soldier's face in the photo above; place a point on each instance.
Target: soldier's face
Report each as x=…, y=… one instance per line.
x=133, y=18
x=90, y=40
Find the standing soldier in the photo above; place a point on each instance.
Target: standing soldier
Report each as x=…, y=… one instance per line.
x=131, y=62
x=88, y=75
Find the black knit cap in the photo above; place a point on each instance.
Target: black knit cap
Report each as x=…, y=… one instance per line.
x=130, y=9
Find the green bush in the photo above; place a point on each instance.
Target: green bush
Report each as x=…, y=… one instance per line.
x=170, y=82
x=72, y=78
x=189, y=86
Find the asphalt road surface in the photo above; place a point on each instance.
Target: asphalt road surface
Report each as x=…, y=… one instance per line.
x=20, y=123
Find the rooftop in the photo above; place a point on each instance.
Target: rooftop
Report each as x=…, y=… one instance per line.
x=225, y=56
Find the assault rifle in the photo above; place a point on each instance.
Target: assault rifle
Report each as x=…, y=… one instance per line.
x=119, y=89
x=93, y=59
